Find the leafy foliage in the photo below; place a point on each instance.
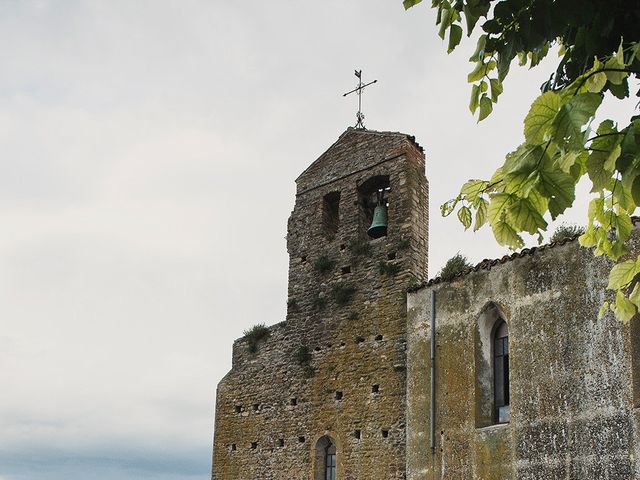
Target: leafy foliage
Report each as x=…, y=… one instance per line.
x=323, y=264
x=454, y=266
x=255, y=334
x=303, y=357
x=389, y=268
x=360, y=248
x=566, y=230
x=342, y=294
x=599, y=55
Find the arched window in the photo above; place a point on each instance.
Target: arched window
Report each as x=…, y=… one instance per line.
x=325, y=459
x=501, y=371
x=330, y=462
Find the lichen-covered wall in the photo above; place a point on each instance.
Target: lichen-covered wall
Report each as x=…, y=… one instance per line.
x=272, y=407
x=573, y=402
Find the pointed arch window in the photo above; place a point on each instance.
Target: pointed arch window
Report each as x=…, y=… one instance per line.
x=501, y=371
x=330, y=462
x=325, y=463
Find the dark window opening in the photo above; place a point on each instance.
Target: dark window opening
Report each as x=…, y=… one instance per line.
x=339, y=395
x=330, y=462
x=238, y=408
x=317, y=349
x=331, y=213
x=359, y=339
x=391, y=256
x=256, y=407
x=301, y=439
x=233, y=447
x=281, y=442
x=385, y=433
x=501, y=372
x=293, y=402
x=343, y=246
x=303, y=259
x=346, y=270
x=379, y=338
x=375, y=388
x=373, y=198
x=254, y=445
x=357, y=434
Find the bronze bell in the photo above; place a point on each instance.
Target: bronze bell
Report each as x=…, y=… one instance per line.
x=379, y=223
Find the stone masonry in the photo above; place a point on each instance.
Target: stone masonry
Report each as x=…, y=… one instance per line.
x=574, y=377
x=337, y=366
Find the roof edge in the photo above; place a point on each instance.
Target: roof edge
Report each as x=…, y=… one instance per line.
x=410, y=138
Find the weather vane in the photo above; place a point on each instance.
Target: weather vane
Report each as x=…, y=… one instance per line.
x=359, y=88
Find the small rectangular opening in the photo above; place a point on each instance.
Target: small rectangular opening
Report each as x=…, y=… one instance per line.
x=345, y=270
x=256, y=407
x=293, y=402
x=359, y=339
x=238, y=408
x=254, y=445
x=281, y=442
x=375, y=388
x=330, y=213
x=233, y=447
x=301, y=439
x=385, y=433
x=391, y=256
x=339, y=395
x=357, y=434
x=379, y=338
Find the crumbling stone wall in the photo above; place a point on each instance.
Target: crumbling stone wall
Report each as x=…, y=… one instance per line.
x=347, y=307
x=573, y=395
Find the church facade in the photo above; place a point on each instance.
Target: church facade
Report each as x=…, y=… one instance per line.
x=527, y=382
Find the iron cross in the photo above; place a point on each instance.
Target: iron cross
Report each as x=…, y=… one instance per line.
x=359, y=88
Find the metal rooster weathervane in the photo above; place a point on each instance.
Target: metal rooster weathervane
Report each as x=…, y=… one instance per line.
x=358, y=89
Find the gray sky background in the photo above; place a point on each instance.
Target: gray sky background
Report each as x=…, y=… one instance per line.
x=148, y=157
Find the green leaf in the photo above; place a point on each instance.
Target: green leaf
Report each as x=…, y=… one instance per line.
x=615, y=77
x=598, y=175
x=603, y=310
x=567, y=126
x=486, y=107
x=445, y=21
x=537, y=123
x=410, y=3
x=449, y=206
x=624, y=198
x=620, y=91
x=475, y=97
x=635, y=191
x=455, y=35
x=481, y=214
x=596, y=82
x=606, y=145
x=635, y=295
x=521, y=183
x=479, y=53
x=496, y=89
x=525, y=217
x=473, y=189
x=500, y=202
x=506, y=235
x=622, y=274
x=464, y=215
x=524, y=159
x=625, y=310
x=559, y=188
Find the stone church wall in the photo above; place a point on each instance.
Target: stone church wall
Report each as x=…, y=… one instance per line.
x=347, y=308
x=573, y=376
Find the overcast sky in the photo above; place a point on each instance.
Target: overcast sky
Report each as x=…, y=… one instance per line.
x=148, y=151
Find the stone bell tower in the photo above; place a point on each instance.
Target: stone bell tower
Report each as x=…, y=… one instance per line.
x=323, y=394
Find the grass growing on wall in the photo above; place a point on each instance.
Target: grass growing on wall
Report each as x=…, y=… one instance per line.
x=255, y=334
